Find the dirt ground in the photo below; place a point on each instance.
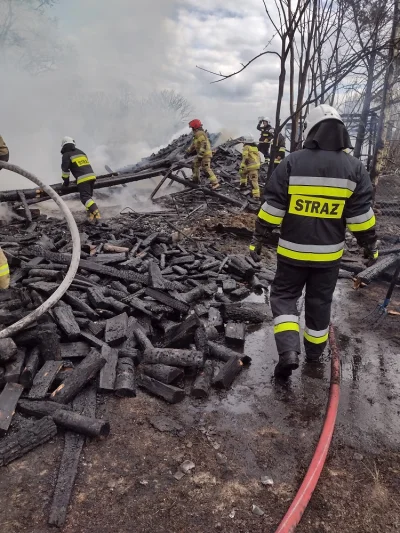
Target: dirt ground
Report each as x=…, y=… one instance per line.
x=259, y=428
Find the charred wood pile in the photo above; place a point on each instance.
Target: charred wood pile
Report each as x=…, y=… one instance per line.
x=144, y=312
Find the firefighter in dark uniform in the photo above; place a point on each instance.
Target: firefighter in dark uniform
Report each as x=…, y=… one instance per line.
x=312, y=196
x=76, y=161
x=266, y=136
x=280, y=150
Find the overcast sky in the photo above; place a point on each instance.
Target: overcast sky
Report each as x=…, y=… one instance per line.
x=151, y=45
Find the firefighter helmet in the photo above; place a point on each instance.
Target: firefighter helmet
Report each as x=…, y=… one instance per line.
x=248, y=138
x=319, y=114
x=67, y=140
x=195, y=124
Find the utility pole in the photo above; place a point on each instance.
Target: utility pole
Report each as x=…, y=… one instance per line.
x=383, y=124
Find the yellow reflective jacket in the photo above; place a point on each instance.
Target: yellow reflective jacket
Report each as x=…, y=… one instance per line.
x=200, y=144
x=4, y=271
x=250, y=158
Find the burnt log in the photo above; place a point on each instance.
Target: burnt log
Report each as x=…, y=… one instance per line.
x=66, y=321
x=39, y=408
x=8, y=351
x=222, y=353
x=50, y=345
x=92, y=340
x=26, y=439
x=229, y=285
x=108, y=372
x=132, y=353
x=200, y=310
x=96, y=328
x=111, y=248
x=252, y=312
x=44, y=379
x=235, y=332
x=227, y=373
x=372, y=272
x=79, y=377
x=241, y=293
x=201, y=340
x=8, y=401
x=116, y=330
x=182, y=260
x=164, y=373
x=173, y=357
x=31, y=368
x=241, y=268
x=91, y=427
x=125, y=378
x=169, y=393
x=124, y=275
x=202, y=385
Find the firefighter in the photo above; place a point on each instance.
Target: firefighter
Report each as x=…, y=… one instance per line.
x=202, y=147
x=250, y=165
x=76, y=161
x=266, y=136
x=280, y=150
x=4, y=153
x=312, y=196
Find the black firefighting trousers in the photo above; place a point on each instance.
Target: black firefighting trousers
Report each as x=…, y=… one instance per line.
x=264, y=149
x=86, y=193
x=286, y=290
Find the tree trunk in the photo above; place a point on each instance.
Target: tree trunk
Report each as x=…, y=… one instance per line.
x=362, y=126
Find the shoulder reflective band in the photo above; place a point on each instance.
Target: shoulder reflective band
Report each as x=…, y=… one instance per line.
x=286, y=323
x=85, y=177
x=315, y=207
x=361, y=222
x=4, y=270
x=309, y=252
x=282, y=149
x=316, y=337
x=65, y=175
x=271, y=214
x=80, y=160
x=321, y=186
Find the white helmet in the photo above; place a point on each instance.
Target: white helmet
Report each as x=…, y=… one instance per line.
x=318, y=114
x=248, y=138
x=265, y=119
x=67, y=140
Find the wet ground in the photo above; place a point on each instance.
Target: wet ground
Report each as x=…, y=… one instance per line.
x=259, y=428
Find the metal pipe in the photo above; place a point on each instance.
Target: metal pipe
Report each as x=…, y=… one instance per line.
x=73, y=267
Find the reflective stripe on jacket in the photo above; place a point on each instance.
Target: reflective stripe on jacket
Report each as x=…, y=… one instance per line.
x=250, y=158
x=200, y=144
x=312, y=195
x=76, y=162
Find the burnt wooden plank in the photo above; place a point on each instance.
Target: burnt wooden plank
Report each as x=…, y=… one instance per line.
x=156, y=280
x=44, y=379
x=116, y=330
x=108, y=372
x=229, y=285
x=31, y=368
x=80, y=305
x=14, y=368
x=26, y=439
x=74, y=350
x=50, y=346
x=8, y=401
x=169, y=393
x=183, y=333
x=85, y=404
x=92, y=340
x=66, y=321
x=167, y=300
x=79, y=377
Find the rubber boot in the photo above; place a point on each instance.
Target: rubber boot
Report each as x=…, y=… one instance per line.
x=288, y=361
x=215, y=186
x=97, y=216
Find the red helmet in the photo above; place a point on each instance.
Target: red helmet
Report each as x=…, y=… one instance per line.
x=195, y=124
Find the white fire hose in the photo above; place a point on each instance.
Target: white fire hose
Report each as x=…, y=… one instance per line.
x=73, y=267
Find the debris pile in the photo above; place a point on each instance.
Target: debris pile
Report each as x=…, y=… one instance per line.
x=143, y=311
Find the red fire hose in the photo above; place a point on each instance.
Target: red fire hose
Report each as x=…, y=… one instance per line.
x=303, y=496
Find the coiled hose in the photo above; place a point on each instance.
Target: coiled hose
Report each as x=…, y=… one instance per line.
x=73, y=267
x=303, y=496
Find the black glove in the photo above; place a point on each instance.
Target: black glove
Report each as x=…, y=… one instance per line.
x=65, y=184
x=371, y=253
x=255, y=250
